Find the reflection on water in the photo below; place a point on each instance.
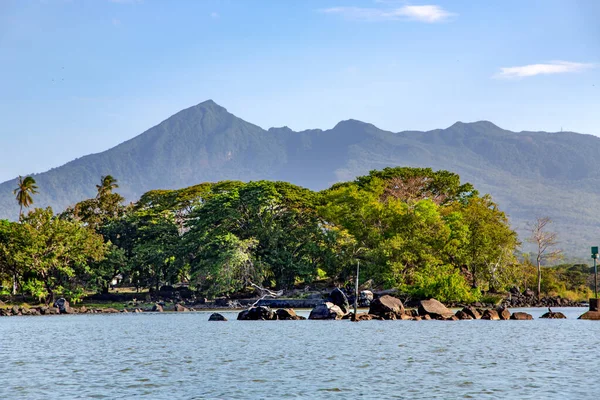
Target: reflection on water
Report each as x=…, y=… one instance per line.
x=183, y=356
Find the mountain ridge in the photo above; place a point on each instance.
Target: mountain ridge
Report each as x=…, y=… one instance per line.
x=527, y=172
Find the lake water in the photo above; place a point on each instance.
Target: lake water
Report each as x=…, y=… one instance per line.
x=183, y=356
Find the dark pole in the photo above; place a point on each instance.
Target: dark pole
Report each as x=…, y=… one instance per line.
x=595, y=277
x=356, y=289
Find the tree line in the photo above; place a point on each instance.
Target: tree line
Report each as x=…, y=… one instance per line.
x=415, y=229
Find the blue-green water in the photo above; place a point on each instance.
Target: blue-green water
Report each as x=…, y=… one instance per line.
x=183, y=356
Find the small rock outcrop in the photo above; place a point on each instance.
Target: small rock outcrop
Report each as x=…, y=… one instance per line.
x=521, y=316
x=472, y=312
x=216, y=317
x=462, y=315
x=180, y=308
x=326, y=310
x=63, y=306
x=287, y=314
x=491, y=315
x=434, y=309
x=365, y=298
x=503, y=313
x=260, y=313
x=387, y=306
x=554, y=315
x=338, y=297
x=157, y=308
x=590, y=316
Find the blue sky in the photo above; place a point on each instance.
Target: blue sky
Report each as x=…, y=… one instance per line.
x=81, y=76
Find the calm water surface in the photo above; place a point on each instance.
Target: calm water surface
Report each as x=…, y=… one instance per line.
x=183, y=356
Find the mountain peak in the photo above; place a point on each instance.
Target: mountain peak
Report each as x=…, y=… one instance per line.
x=477, y=126
x=210, y=105
x=350, y=123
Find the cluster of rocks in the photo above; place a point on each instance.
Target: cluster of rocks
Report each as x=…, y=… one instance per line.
x=385, y=307
x=528, y=299
x=263, y=313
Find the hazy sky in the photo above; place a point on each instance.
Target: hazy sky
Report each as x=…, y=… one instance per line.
x=81, y=76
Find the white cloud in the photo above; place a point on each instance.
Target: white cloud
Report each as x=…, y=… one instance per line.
x=553, y=67
x=427, y=13
x=116, y=21
x=214, y=15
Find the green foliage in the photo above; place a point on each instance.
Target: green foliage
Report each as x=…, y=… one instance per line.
x=51, y=253
x=419, y=230
x=444, y=283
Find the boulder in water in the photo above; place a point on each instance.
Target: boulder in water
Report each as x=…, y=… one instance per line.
x=554, y=315
x=339, y=298
x=503, y=313
x=462, y=315
x=472, y=312
x=590, y=315
x=491, y=315
x=287, y=314
x=387, y=307
x=434, y=309
x=260, y=313
x=521, y=316
x=326, y=310
x=216, y=317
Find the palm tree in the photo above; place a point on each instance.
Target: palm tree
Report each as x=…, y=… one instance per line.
x=106, y=186
x=25, y=188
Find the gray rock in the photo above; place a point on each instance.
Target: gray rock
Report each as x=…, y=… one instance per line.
x=387, y=307
x=63, y=306
x=326, y=310
x=434, y=308
x=216, y=317
x=365, y=298
x=339, y=298
x=260, y=313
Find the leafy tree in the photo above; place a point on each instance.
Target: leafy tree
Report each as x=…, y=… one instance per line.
x=488, y=249
x=26, y=187
x=9, y=269
x=54, y=254
x=279, y=217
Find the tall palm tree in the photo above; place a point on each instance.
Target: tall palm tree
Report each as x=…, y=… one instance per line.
x=106, y=186
x=25, y=188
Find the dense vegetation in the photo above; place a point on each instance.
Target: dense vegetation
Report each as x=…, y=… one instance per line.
x=421, y=231
x=530, y=174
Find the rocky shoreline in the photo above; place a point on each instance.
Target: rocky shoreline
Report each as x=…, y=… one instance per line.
x=386, y=307
x=382, y=306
